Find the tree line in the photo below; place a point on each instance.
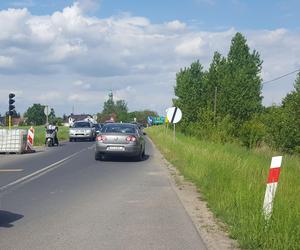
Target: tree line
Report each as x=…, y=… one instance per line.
x=224, y=103
x=118, y=109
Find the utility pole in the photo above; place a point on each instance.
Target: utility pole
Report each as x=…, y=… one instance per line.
x=215, y=105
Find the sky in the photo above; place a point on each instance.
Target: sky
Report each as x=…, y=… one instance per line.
x=71, y=54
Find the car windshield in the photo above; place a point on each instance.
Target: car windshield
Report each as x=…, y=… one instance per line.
x=81, y=125
x=117, y=128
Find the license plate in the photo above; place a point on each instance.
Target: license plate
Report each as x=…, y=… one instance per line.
x=115, y=148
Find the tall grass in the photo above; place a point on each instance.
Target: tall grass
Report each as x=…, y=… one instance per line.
x=232, y=179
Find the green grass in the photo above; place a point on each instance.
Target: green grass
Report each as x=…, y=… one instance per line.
x=40, y=133
x=232, y=180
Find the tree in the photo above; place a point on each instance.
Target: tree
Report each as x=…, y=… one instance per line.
x=15, y=114
x=35, y=115
x=109, y=105
x=52, y=117
x=141, y=116
x=241, y=88
x=291, y=109
x=121, y=110
x=112, y=108
x=283, y=122
x=190, y=91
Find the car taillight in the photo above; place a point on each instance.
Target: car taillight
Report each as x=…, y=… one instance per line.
x=101, y=138
x=131, y=138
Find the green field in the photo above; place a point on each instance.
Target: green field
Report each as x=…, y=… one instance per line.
x=232, y=180
x=40, y=133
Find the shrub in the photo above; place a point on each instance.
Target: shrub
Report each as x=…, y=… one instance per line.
x=252, y=132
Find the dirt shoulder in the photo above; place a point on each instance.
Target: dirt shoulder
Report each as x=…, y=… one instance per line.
x=212, y=231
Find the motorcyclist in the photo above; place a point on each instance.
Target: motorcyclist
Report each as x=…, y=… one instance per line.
x=54, y=127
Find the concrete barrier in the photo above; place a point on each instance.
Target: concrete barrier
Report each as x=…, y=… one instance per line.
x=13, y=140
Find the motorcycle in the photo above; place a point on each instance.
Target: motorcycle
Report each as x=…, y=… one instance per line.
x=51, y=138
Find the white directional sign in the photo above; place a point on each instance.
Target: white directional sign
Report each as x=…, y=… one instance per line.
x=174, y=115
x=46, y=110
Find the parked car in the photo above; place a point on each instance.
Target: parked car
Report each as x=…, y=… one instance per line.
x=120, y=139
x=82, y=130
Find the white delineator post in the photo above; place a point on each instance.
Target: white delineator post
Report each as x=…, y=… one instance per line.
x=271, y=186
x=30, y=138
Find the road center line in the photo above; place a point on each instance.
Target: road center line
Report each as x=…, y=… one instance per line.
x=10, y=170
x=39, y=172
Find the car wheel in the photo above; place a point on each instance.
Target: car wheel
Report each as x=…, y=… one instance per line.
x=99, y=156
x=140, y=156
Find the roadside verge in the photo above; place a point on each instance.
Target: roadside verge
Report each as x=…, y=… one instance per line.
x=212, y=231
x=232, y=180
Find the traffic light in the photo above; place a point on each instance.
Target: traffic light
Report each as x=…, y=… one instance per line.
x=11, y=101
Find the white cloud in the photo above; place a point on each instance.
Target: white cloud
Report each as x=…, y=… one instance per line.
x=191, y=47
x=6, y=62
x=81, y=57
x=176, y=25
x=89, y=5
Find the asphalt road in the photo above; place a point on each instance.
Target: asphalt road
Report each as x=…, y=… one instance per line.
x=61, y=198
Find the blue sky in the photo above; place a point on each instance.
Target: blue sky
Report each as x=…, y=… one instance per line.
x=206, y=14
x=67, y=53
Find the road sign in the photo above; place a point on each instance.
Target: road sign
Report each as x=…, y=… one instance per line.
x=46, y=110
x=150, y=119
x=174, y=115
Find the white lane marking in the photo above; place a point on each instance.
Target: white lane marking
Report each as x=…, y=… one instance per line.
x=39, y=172
x=7, y=170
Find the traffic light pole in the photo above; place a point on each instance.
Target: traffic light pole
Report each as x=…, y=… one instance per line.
x=9, y=121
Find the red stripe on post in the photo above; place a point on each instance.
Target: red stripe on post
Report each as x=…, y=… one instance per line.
x=30, y=139
x=273, y=175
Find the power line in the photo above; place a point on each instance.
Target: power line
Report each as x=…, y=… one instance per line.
x=279, y=77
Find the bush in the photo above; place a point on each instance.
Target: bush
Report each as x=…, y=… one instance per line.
x=252, y=132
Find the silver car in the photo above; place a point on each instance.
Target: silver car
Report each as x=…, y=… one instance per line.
x=120, y=139
x=82, y=130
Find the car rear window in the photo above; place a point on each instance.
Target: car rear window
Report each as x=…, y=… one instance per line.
x=114, y=128
x=81, y=125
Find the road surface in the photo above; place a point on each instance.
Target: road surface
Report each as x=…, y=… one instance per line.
x=61, y=198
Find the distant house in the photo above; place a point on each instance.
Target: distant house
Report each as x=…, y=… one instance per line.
x=16, y=121
x=82, y=117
